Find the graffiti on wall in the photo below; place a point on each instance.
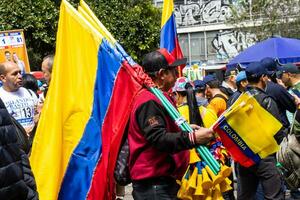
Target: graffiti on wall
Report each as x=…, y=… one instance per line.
x=229, y=43
x=202, y=11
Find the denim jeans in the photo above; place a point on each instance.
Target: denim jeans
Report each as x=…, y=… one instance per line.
x=163, y=188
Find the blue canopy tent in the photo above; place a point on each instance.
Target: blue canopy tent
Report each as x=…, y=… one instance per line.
x=286, y=50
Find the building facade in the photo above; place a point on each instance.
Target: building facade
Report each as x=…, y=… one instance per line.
x=204, y=35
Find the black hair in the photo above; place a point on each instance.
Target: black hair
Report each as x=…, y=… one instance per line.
x=182, y=93
x=273, y=77
x=30, y=82
x=253, y=79
x=194, y=113
x=214, y=84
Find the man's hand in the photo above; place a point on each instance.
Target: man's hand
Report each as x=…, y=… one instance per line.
x=203, y=135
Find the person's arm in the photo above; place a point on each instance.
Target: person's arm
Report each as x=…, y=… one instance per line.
x=286, y=99
x=150, y=117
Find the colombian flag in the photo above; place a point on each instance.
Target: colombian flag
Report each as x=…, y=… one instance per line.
x=247, y=131
x=168, y=34
x=86, y=110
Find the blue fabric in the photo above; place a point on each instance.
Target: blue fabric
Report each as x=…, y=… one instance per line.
x=209, y=78
x=286, y=50
x=240, y=76
x=168, y=33
x=255, y=69
x=89, y=149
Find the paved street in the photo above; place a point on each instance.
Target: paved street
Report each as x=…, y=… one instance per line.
x=128, y=191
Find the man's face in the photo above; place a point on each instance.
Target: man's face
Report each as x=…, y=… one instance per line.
x=285, y=77
x=46, y=72
x=12, y=80
x=208, y=92
x=170, y=76
x=264, y=79
x=7, y=56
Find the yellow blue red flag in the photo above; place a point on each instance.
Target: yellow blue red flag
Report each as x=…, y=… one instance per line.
x=168, y=33
x=247, y=131
x=86, y=110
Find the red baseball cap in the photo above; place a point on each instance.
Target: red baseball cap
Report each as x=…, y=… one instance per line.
x=161, y=59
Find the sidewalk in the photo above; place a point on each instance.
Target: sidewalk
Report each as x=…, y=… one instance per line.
x=128, y=195
x=128, y=190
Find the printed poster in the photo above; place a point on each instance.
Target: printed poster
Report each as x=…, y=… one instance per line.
x=13, y=48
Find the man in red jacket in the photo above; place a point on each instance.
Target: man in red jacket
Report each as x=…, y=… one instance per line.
x=158, y=148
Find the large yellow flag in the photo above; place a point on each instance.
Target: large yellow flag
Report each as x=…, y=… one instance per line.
x=69, y=101
x=247, y=131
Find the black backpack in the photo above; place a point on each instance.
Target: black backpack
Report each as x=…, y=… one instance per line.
x=22, y=138
x=121, y=171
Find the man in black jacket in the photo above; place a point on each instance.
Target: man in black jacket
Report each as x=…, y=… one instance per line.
x=284, y=100
x=16, y=179
x=265, y=172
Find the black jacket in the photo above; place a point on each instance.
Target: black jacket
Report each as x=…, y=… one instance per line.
x=268, y=103
x=16, y=179
x=283, y=99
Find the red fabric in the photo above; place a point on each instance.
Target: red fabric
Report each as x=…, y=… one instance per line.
x=177, y=53
x=38, y=75
x=126, y=87
x=169, y=57
x=234, y=150
x=150, y=162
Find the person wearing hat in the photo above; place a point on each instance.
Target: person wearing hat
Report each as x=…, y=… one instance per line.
x=265, y=172
x=185, y=95
x=217, y=99
x=179, y=91
x=229, y=81
x=200, y=92
x=241, y=83
x=158, y=148
x=290, y=76
x=284, y=100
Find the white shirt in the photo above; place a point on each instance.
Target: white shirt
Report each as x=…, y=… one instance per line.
x=21, y=105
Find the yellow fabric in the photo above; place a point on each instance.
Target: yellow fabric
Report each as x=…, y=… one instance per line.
x=88, y=14
x=69, y=100
x=209, y=117
x=218, y=105
x=254, y=124
x=167, y=11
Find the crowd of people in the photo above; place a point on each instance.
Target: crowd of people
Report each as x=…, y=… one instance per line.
x=21, y=101
x=155, y=142
x=158, y=148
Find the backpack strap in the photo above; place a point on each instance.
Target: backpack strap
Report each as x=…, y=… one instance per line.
x=220, y=96
x=29, y=92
